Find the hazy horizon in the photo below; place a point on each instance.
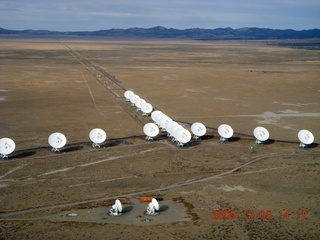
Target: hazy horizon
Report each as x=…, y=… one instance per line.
x=82, y=15
x=150, y=28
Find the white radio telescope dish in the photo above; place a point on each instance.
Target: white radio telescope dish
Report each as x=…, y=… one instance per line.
x=132, y=99
x=158, y=118
x=7, y=146
x=261, y=134
x=183, y=136
x=174, y=131
x=153, y=207
x=198, y=130
x=97, y=136
x=151, y=130
x=57, y=140
x=128, y=94
x=146, y=108
x=116, y=208
x=225, y=131
x=139, y=104
x=168, y=126
x=136, y=101
x=163, y=121
x=154, y=114
x=306, y=138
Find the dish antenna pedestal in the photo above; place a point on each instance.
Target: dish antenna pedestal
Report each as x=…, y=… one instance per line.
x=95, y=145
x=153, y=208
x=116, y=209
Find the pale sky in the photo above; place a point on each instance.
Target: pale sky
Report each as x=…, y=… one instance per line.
x=91, y=15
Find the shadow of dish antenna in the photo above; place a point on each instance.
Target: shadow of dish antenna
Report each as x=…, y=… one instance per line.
x=57, y=140
x=225, y=132
x=198, y=130
x=305, y=137
x=151, y=130
x=97, y=136
x=261, y=134
x=153, y=208
x=7, y=146
x=116, y=209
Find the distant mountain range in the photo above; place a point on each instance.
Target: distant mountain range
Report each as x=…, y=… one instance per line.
x=171, y=33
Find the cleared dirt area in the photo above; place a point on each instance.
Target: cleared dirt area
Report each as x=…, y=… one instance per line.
x=210, y=190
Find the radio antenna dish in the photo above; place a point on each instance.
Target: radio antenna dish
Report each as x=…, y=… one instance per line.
x=175, y=128
x=261, y=134
x=132, y=99
x=116, y=208
x=139, y=103
x=183, y=136
x=151, y=130
x=168, y=126
x=198, y=130
x=154, y=114
x=163, y=121
x=306, y=138
x=128, y=94
x=7, y=146
x=57, y=140
x=97, y=136
x=153, y=207
x=171, y=126
x=225, y=132
x=158, y=118
x=146, y=109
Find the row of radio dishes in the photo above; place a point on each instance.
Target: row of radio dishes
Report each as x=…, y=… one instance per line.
x=182, y=136
x=141, y=104
x=174, y=130
x=262, y=135
x=152, y=208
x=56, y=141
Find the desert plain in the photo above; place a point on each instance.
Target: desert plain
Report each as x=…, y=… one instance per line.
x=209, y=189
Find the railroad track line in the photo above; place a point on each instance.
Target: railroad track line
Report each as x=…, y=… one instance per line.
x=109, y=82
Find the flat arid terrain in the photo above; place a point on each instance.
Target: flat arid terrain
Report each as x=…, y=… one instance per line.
x=207, y=189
